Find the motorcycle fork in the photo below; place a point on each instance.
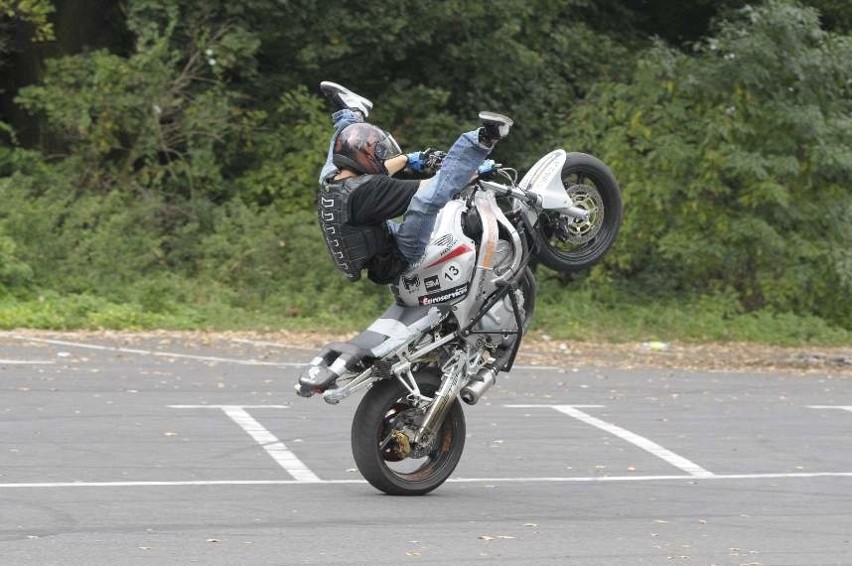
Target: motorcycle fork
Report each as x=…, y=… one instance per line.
x=455, y=371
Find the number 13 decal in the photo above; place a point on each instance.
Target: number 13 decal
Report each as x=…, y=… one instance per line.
x=451, y=272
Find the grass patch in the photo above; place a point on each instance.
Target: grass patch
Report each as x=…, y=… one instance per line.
x=583, y=314
x=612, y=316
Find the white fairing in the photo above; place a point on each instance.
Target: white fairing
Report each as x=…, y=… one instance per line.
x=545, y=180
x=443, y=273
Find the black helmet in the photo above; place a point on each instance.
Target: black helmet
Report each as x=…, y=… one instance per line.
x=363, y=148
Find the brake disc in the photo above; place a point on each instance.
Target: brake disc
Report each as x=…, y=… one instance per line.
x=576, y=230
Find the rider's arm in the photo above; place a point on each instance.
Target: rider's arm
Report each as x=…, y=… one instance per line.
x=380, y=198
x=396, y=164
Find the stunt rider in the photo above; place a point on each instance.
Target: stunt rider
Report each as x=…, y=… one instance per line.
x=358, y=196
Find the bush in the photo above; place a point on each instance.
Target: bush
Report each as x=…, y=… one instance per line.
x=735, y=163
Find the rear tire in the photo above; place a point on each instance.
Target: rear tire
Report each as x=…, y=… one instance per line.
x=384, y=409
x=568, y=244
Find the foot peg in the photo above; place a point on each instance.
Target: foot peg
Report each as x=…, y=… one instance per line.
x=333, y=361
x=345, y=98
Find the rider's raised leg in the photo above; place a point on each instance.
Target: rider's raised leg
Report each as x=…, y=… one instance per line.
x=340, y=119
x=457, y=169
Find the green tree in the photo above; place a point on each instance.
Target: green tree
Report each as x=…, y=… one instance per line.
x=145, y=139
x=836, y=15
x=32, y=12
x=736, y=163
x=430, y=67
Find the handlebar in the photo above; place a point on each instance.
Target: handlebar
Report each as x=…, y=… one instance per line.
x=509, y=191
x=531, y=198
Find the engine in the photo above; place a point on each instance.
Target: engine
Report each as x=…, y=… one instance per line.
x=500, y=319
x=444, y=275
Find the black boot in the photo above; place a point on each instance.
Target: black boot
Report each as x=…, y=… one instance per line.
x=342, y=98
x=494, y=128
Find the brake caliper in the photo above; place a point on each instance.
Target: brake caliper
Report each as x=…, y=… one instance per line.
x=403, y=446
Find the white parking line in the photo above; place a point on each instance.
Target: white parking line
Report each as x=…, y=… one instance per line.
x=262, y=436
x=649, y=446
x=270, y=344
x=587, y=479
x=25, y=362
x=840, y=407
x=157, y=353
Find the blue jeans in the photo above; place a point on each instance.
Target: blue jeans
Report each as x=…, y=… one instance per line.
x=341, y=119
x=457, y=169
x=459, y=166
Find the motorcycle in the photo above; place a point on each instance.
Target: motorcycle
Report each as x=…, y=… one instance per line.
x=460, y=314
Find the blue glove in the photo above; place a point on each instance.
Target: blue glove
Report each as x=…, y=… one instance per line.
x=487, y=167
x=428, y=160
x=417, y=161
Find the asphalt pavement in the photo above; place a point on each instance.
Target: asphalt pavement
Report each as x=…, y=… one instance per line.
x=171, y=450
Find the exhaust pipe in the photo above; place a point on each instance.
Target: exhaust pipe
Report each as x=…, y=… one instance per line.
x=476, y=387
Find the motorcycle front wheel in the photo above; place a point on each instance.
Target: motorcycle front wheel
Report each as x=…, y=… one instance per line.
x=383, y=451
x=569, y=244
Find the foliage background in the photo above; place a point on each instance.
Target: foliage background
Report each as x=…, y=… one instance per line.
x=158, y=157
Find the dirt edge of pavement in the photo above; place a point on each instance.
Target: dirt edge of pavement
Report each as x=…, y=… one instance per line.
x=542, y=350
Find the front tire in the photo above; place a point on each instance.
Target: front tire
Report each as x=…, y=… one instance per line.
x=391, y=465
x=568, y=245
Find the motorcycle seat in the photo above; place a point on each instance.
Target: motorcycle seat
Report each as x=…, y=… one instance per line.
x=395, y=327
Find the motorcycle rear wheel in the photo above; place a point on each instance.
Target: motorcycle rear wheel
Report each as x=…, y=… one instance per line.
x=381, y=459
x=568, y=244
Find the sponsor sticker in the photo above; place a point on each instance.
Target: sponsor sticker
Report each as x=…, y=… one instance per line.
x=445, y=240
x=444, y=296
x=432, y=283
x=411, y=283
x=451, y=272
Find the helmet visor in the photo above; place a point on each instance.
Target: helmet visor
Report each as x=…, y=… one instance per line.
x=387, y=148
x=364, y=148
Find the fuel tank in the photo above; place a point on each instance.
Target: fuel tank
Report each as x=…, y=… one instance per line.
x=444, y=272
